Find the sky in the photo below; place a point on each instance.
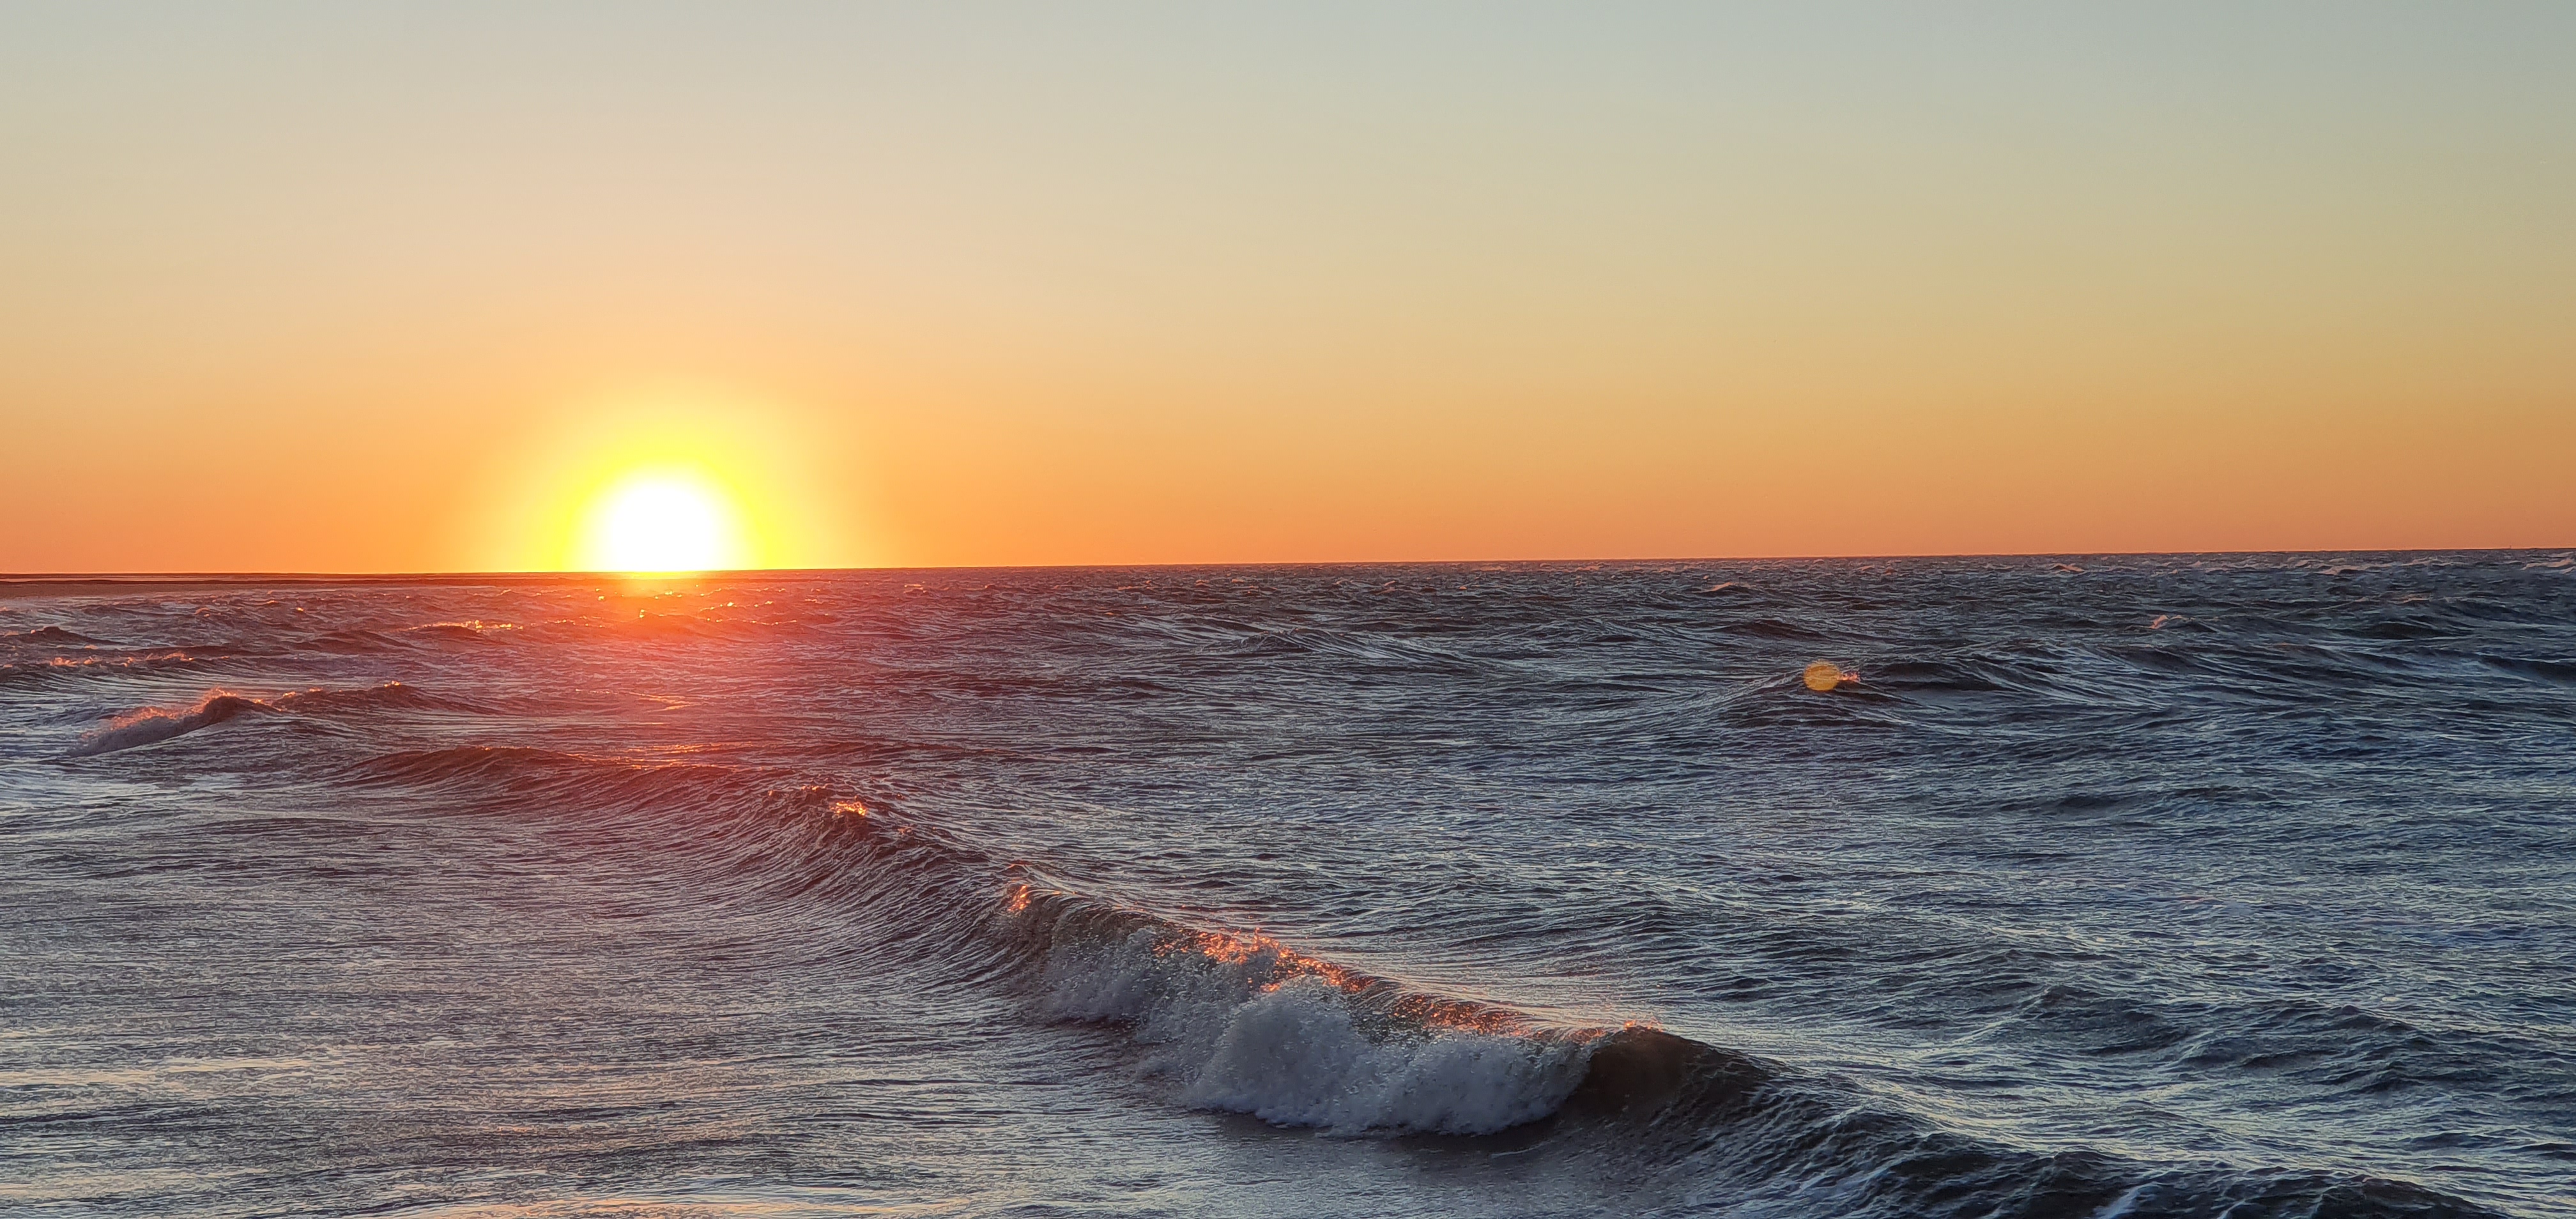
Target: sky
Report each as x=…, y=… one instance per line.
x=400, y=287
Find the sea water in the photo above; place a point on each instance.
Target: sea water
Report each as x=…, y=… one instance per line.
x=2177, y=885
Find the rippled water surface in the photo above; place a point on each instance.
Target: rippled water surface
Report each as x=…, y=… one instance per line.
x=2234, y=885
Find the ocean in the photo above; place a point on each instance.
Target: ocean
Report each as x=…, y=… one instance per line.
x=2219, y=885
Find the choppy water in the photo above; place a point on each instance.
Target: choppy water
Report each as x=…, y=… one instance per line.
x=2150, y=886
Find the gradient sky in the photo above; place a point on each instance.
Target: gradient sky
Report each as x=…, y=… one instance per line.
x=371, y=287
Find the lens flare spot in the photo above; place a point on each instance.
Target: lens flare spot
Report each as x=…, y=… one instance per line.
x=1825, y=675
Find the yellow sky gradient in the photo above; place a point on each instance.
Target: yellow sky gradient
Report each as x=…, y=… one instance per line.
x=360, y=289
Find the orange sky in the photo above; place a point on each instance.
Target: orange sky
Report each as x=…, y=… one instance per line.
x=360, y=290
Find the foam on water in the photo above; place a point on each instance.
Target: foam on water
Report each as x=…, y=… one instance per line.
x=1249, y=1027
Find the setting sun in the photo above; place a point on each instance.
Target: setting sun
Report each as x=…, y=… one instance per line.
x=661, y=521
x=670, y=477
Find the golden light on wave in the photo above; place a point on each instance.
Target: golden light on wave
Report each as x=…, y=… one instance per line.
x=662, y=521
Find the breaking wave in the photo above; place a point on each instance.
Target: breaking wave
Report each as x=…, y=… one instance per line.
x=1247, y=1025
x=1237, y=1021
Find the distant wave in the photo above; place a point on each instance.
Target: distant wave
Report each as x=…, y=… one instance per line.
x=2560, y=671
x=51, y=636
x=464, y=628
x=152, y=725
x=571, y=780
x=644, y=624
x=92, y=663
x=384, y=696
x=49, y=652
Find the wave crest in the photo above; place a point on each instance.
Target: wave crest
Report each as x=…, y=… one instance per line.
x=1249, y=1026
x=1296, y=1054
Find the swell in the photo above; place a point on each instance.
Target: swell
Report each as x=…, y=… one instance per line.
x=1236, y=1021
x=66, y=669
x=48, y=655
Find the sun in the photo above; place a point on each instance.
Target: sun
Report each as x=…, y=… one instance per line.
x=661, y=521
x=669, y=481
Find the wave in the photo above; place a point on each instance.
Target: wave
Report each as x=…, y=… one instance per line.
x=463, y=763
x=426, y=636
x=153, y=725
x=49, y=635
x=1243, y=1024
x=568, y=780
x=469, y=629
x=2562, y=672
x=1770, y=628
x=1246, y=1025
x=1238, y=1021
x=1233, y=1021
x=125, y=663
x=384, y=696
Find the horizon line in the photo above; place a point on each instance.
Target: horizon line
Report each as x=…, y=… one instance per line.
x=527, y=574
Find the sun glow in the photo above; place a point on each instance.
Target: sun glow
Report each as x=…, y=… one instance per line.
x=662, y=521
x=673, y=479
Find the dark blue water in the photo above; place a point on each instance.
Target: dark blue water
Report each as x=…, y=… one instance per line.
x=2232, y=885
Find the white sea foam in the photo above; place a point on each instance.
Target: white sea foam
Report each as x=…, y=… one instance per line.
x=1249, y=1032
